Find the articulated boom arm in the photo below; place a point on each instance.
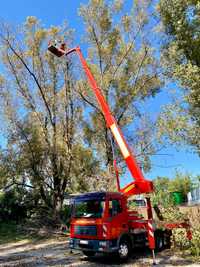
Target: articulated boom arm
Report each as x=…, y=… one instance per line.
x=140, y=185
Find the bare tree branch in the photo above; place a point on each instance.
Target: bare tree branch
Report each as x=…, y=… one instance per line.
x=32, y=74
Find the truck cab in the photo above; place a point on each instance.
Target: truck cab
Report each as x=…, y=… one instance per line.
x=99, y=223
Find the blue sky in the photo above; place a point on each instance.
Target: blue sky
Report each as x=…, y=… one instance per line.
x=54, y=13
x=50, y=12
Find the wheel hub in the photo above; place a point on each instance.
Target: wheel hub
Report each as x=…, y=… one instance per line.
x=123, y=250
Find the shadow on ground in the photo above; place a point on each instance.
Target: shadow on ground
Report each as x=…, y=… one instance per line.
x=57, y=253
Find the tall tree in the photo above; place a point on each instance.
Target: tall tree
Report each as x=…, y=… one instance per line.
x=123, y=63
x=42, y=112
x=181, y=57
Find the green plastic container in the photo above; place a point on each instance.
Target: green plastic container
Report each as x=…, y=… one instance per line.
x=178, y=198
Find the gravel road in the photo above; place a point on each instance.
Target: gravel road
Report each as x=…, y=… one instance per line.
x=55, y=252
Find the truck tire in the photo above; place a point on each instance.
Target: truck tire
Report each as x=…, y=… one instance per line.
x=88, y=253
x=159, y=240
x=167, y=238
x=124, y=250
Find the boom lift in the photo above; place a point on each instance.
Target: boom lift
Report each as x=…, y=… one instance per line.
x=101, y=221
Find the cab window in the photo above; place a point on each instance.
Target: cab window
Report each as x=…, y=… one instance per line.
x=114, y=207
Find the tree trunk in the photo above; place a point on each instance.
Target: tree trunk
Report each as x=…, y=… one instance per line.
x=57, y=206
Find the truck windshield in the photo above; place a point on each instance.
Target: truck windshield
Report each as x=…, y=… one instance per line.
x=89, y=208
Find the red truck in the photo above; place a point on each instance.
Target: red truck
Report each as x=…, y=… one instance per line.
x=101, y=221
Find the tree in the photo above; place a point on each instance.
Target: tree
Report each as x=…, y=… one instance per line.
x=42, y=112
x=125, y=68
x=164, y=187
x=161, y=195
x=181, y=183
x=181, y=22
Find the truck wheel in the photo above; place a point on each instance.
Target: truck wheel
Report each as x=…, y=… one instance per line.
x=159, y=240
x=124, y=250
x=167, y=238
x=88, y=253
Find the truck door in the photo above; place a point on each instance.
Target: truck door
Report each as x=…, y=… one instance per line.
x=117, y=218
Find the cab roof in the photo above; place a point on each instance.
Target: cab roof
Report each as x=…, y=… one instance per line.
x=96, y=195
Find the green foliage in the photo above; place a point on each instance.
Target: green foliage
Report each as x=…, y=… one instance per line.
x=66, y=215
x=9, y=232
x=12, y=206
x=161, y=195
x=181, y=61
x=164, y=187
x=192, y=246
x=13, y=232
x=174, y=124
x=42, y=113
x=180, y=239
x=181, y=183
x=181, y=20
x=195, y=242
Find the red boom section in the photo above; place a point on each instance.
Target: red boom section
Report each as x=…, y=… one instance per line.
x=140, y=185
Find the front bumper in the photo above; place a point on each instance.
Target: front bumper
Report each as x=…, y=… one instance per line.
x=106, y=246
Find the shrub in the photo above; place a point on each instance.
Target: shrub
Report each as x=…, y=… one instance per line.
x=195, y=242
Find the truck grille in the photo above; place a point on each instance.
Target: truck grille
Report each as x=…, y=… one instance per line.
x=85, y=230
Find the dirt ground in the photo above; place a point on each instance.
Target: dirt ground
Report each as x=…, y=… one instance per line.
x=55, y=252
